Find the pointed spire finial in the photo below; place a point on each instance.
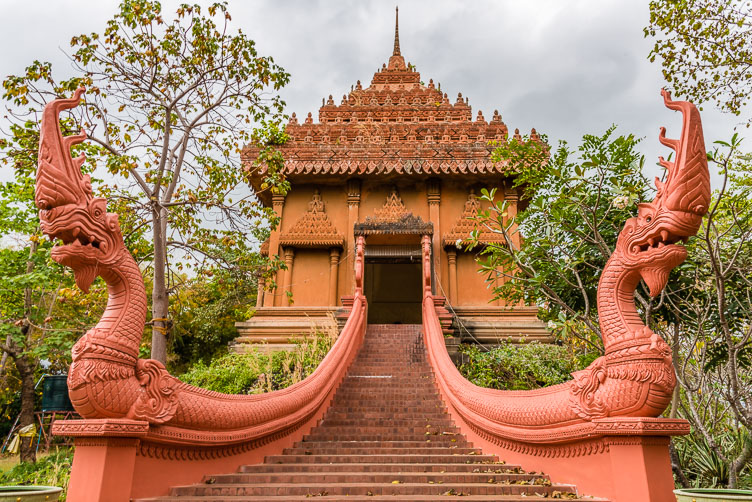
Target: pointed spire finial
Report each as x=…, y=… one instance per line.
x=396, y=33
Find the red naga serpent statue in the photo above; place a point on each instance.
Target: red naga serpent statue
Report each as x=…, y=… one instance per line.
x=108, y=380
x=635, y=377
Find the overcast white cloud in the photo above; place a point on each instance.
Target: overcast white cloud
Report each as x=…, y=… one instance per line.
x=565, y=68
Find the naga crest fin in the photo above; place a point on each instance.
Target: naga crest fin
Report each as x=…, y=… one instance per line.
x=687, y=185
x=59, y=179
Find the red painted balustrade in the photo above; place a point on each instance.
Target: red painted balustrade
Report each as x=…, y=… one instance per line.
x=623, y=459
x=119, y=459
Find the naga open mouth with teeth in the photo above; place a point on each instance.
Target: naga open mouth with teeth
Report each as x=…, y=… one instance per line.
x=67, y=209
x=649, y=242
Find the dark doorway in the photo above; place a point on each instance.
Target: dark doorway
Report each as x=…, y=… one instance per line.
x=393, y=290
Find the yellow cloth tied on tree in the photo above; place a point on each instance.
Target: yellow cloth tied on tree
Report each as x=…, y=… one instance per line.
x=25, y=432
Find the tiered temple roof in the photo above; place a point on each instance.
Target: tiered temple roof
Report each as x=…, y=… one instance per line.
x=397, y=126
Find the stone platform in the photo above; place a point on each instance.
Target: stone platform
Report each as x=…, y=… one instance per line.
x=276, y=328
x=491, y=325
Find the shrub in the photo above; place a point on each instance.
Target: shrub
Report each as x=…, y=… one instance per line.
x=51, y=470
x=256, y=372
x=519, y=367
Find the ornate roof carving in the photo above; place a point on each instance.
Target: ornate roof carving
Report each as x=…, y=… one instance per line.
x=392, y=211
x=459, y=235
x=393, y=218
x=314, y=229
x=398, y=125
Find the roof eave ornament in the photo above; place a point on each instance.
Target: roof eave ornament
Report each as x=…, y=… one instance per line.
x=396, y=34
x=396, y=62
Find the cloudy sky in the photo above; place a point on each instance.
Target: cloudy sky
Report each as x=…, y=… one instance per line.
x=566, y=68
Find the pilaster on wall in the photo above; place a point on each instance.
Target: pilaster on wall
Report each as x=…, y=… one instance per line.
x=512, y=198
x=353, y=210
x=260, y=291
x=433, y=194
x=278, y=204
x=333, y=275
x=452, y=262
x=287, y=290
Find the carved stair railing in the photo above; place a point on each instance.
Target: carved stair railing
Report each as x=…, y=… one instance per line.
x=601, y=430
x=143, y=430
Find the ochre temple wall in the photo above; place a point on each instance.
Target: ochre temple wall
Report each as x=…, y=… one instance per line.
x=311, y=266
x=473, y=289
x=310, y=277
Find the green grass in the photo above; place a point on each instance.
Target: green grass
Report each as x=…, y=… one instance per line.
x=50, y=469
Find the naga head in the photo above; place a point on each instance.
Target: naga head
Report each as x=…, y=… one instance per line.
x=649, y=243
x=68, y=211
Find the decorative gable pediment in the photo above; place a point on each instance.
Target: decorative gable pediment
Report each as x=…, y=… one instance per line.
x=392, y=211
x=314, y=229
x=459, y=235
x=393, y=218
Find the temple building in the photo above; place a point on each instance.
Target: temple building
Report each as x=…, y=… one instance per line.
x=393, y=161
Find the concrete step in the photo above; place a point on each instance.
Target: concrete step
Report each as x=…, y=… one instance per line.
x=386, y=436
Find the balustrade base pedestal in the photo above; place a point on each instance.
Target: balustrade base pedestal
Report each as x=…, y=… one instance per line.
x=104, y=461
x=622, y=459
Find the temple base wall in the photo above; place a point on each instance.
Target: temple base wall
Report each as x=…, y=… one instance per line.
x=277, y=328
x=491, y=325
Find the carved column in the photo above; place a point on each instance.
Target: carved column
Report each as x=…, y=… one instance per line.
x=433, y=193
x=452, y=262
x=353, y=209
x=426, y=262
x=278, y=204
x=333, y=273
x=512, y=198
x=260, y=292
x=287, y=290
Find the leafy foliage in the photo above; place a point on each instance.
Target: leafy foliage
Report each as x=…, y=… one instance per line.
x=204, y=309
x=257, y=372
x=169, y=108
x=511, y=366
x=704, y=466
x=705, y=47
x=574, y=210
x=50, y=470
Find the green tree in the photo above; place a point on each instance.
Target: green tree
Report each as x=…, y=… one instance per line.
x=170, y=106
x=705, y=49
x=205, y=310
x=576, y=208
x=708, y=319
x=41, y=315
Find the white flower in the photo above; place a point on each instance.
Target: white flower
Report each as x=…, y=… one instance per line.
x=551, y=325
x=621, y=202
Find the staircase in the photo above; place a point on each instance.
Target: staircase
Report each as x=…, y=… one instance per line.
x=387, y=436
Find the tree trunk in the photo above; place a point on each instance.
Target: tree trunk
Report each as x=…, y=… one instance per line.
x=28, y=398
x=676, y=465
x=25, y=364
x=159, y=300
